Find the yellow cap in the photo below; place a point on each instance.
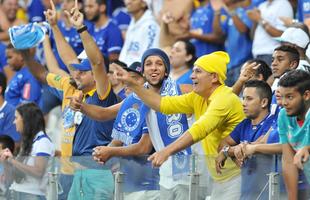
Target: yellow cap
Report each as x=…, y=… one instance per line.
x=215, y=62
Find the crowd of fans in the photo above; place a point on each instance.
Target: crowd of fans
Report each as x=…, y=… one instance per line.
x=228, y=79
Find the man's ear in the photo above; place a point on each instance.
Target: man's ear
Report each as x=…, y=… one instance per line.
x=102, y=8
x=306, y=95
x=293, y=64
x=264, y=103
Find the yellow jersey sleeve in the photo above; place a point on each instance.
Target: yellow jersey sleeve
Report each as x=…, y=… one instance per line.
x=177, y=104
x=57, y=81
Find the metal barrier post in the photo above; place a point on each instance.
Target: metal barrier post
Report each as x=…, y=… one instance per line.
x=274, y=186
x=118, y=182
x=52, y=186
x=194, y=180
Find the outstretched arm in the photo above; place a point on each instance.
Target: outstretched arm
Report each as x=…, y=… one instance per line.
x=51, y=62
x=149, y=97
x=100, y=113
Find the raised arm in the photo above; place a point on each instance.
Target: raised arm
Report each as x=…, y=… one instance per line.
x=93, y=53
x=36, y=69
x=51, y=62
x=66, y=52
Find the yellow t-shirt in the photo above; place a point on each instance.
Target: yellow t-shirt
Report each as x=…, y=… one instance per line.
x=215, y=119
x=63, y=84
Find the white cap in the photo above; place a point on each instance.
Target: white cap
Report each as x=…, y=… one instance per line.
x=295, y=36
x=82, y=55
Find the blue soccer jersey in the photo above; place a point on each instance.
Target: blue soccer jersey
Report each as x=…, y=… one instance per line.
x=3, y=59
x=108, y=38
x=35, y=9
x=237, y=40
x=7, y=117
x=23, y=87
x=202, y=19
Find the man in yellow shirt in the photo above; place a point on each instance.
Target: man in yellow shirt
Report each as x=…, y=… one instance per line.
x=217, y=111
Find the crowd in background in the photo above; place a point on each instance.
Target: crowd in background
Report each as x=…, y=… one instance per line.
x=228, y=79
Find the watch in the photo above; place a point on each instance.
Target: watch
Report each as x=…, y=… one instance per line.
x=225, y=150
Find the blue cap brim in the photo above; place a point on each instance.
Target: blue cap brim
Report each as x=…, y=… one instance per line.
x=83, y=66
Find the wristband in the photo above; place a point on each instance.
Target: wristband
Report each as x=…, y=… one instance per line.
x=82, y=29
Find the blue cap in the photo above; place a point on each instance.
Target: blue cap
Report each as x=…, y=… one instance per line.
x=28, y=35
x=83, y=66
x=156, y=52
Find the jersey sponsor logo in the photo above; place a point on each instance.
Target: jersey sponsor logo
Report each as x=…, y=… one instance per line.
x=57, y=78
x=26, y=91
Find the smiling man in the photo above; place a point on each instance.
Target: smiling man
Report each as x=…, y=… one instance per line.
x=217, y=111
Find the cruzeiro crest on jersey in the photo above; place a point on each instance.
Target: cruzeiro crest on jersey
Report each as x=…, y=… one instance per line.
x=130, y=118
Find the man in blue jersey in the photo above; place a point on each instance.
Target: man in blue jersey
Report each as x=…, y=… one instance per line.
x=107, y=35
x=23, y=87
x=35, y=9
x=201, y=33
x=236, y=27
x=256, y=103
x=304, y=12
x=155, y=70
x=7, y=127
x=130, y=131
x=94, y=88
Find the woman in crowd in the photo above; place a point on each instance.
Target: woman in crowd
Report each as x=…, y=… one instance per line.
x=30, y=164
x=182, y=58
